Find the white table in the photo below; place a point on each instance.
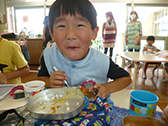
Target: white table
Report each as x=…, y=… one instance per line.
x=140, y=57
x=10, y=103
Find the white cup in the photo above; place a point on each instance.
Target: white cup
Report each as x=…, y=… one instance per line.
x=33, y=87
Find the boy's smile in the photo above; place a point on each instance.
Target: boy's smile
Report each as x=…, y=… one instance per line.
x=73, y=35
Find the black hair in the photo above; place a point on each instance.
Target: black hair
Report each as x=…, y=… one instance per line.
x=151, y=38
x=64, y=7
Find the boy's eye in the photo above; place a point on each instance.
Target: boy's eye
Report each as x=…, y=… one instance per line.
x=80, y=25
x=62, y=26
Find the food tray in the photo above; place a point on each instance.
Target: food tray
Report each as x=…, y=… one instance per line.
x=56, y=104
x=141, y=121
x=5, y=89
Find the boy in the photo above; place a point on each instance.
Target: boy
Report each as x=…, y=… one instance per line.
x=150, y=48
x=72, y=26
x=12, y=62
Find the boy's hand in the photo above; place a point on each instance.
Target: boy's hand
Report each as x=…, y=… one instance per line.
x=56, y=79
x=102, y=91
x=3, y=79
x=144, y=49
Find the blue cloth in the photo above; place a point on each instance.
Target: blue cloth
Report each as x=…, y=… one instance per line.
x=94, y=66
x=114, y=115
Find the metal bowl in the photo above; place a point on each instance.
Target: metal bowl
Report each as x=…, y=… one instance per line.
x=56, y=104
x=141, y=121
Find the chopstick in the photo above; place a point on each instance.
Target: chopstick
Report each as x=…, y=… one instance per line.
x=63, y=80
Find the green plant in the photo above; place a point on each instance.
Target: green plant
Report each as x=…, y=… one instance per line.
x=97, y=43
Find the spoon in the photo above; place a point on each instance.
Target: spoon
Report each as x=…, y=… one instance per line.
x=63, y=80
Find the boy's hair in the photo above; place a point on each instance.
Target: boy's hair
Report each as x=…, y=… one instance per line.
x=64, y=7
x=151, y=38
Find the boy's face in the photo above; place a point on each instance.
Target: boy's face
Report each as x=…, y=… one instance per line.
x=73, y=35
x=150, y=42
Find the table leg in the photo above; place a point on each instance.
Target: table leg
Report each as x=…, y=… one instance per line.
x=164, y=71
x=123, y=62
x=116, y=58
x=135, y=74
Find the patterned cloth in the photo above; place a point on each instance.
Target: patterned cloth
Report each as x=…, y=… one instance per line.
x=116, y=114
x=133, y=30
x=109, y=34
x=96, y=114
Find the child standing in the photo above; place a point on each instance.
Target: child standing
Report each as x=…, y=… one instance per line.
x=109, y=32
x=12, y=62
x=72, y=27
x=150, y=48
x=133, y=35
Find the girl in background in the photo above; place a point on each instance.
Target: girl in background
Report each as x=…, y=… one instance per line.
x=109, y=32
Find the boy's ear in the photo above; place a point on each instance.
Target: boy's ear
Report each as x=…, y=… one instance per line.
x=52, y=36
x=95, y=31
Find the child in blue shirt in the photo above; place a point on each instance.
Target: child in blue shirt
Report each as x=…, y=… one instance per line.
x=73, y=25
x=150, y=48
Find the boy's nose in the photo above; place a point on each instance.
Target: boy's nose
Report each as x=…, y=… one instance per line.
x=71, y=34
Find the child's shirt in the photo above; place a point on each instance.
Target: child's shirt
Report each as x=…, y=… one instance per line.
x=95, y=66
x=11, y=58
x=150, y=48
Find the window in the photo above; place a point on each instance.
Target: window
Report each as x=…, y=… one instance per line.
x=31, y=18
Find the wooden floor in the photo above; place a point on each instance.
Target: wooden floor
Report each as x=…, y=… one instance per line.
x=153, y=84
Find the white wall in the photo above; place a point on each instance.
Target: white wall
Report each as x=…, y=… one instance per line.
x=3, y=11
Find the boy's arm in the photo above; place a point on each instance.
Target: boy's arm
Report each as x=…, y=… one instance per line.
x=3, y=79
x=121, y=80
x=43, y=73
x=114, y=85
x=105, y=89
x=17, y=73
